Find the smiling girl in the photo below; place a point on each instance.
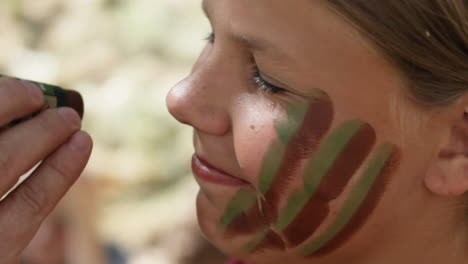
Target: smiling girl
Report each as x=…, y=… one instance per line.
x=332, y=131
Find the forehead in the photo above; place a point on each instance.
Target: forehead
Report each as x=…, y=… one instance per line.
x=297, y=29
x=311, y=46
x=304, y=33
x=277, y=19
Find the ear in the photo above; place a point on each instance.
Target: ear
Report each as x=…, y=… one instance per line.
x=448, y=174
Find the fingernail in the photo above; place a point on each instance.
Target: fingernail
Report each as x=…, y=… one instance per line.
x=70, y=115
x=34, y=92
x=80, y=142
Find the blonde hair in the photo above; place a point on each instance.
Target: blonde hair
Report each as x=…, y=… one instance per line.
x=427, y=40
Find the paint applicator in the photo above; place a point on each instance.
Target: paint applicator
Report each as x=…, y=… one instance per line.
x=54, y=97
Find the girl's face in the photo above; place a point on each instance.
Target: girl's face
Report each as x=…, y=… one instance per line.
x=302, y=119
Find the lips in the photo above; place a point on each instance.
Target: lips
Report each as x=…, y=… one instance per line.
x=208, y=173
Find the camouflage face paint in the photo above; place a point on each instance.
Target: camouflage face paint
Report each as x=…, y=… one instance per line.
x=298, y=135
x=54, y=97
x=266, y=239
x=345, y=140
x=362, y=198
x=329, y=166
x=242, y=201
x=384, y=163
x=326, y=176
x=335, y=162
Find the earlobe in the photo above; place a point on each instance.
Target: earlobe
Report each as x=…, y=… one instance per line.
x=448, y=174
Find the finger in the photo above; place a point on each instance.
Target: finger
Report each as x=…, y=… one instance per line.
x=26, y=207
x=18, y=99
x=24, y=145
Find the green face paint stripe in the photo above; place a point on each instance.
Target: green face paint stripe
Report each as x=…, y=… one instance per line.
x=285, y=131
x=332, y=147
x=295, y=114
x=270, y=165
x=357, y=196
x=252, y=245
x=301, y=146
x=242, y=201
x=327, y=153
x=270, y=240
x=294, y=205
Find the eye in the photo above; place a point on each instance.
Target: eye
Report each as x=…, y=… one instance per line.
x=210, y=38
x=266, y=86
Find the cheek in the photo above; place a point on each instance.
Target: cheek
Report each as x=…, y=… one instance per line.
x=318, y=163
x=253, y=135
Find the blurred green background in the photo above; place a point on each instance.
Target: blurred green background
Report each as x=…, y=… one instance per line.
x=123, y=56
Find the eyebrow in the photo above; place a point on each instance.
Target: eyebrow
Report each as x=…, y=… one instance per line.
x=251, y=42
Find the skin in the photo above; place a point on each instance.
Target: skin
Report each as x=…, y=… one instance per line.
x=340, y=184
x=330, y=167
x=54, y=137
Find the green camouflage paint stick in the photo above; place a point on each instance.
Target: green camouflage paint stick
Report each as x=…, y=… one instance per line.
x=54, y=97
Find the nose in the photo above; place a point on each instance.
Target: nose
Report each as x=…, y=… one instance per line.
x=197, y=102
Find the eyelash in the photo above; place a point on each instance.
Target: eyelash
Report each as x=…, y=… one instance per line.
x=255, y=76
x=210, y=38
x=265, y=86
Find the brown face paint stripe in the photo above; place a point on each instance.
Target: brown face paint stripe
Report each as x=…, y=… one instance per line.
x=265, y=240
x=318, y=167
x=303, y=145
x=252, y=245
x=332, y=185
x=366, y=208
x=241, y=201
x=317, y=121
x=308, y=211
x=303, y=227
x=358, y=195
x=249, y=223
x=271, y=161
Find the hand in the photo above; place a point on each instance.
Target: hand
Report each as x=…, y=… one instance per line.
x=53, y=137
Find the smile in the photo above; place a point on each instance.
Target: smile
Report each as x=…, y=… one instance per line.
x=208, y=173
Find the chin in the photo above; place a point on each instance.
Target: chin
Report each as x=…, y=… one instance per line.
x=208, y=216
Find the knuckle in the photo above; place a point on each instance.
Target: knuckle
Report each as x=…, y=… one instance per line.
x=63, y=174
x=45, y=120
x=49, y=121
x=32, y=198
